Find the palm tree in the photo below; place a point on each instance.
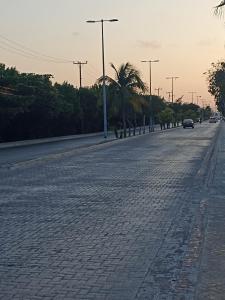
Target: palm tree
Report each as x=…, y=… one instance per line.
x=127, y=86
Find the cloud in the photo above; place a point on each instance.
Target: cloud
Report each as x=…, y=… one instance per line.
x=149, y=44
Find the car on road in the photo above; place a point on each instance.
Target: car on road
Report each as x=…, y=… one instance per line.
x=212, y=120
x=188, y=123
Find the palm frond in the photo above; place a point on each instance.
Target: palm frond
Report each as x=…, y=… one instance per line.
x=114, y=68
x=108, y=80
x=138, y=102
x=137, y=85
x=219, y=8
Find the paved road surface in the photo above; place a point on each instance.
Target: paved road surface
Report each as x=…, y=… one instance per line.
x=122, y=220
x=10, y=154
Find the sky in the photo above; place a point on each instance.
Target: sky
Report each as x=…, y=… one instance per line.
x=185, y=36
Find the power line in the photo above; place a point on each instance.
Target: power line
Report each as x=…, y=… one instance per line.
x=94, y=68
x=30, y=52
x=23, y=53
x=27, y=55
x=34, y=51
x=92, y=78
x=16, y=52
x=91, y=72
x=14, y=47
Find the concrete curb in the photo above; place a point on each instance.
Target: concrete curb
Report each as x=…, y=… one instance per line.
x=205, y=173
x=213, y=159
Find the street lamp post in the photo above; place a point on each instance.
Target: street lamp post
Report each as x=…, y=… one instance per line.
x=192, y=96
x=172, y=79
x=103, y=69
x=151, y=117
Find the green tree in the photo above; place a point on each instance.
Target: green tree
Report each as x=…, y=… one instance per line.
x=126, y=87
x=91, y=109
x=166, y=117
x=68, y=118
x=32, y=107
x=206, y=113
x=216, y=84
x=177, y=108
x=158, y=104
x=190, y=114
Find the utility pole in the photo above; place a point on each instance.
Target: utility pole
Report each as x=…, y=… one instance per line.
x=158, y=89
x=80, y=64
x=172, y=79
x=192, y=96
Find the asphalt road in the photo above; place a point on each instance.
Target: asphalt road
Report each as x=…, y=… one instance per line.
x=11, y=154
x=121, y=220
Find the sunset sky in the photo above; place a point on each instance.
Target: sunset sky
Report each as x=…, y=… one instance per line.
x=184, y=35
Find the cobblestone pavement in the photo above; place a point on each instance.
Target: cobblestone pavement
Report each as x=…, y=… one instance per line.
x=122, y=220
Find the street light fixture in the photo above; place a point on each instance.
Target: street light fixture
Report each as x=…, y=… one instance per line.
x=103, y=68
x=151, y=117
x=172, y=79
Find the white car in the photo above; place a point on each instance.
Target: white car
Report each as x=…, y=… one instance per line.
x=212, y=120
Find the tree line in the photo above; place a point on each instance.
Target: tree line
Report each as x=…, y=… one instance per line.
x=31, y=106
x=216, y=82
x=216, y=74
